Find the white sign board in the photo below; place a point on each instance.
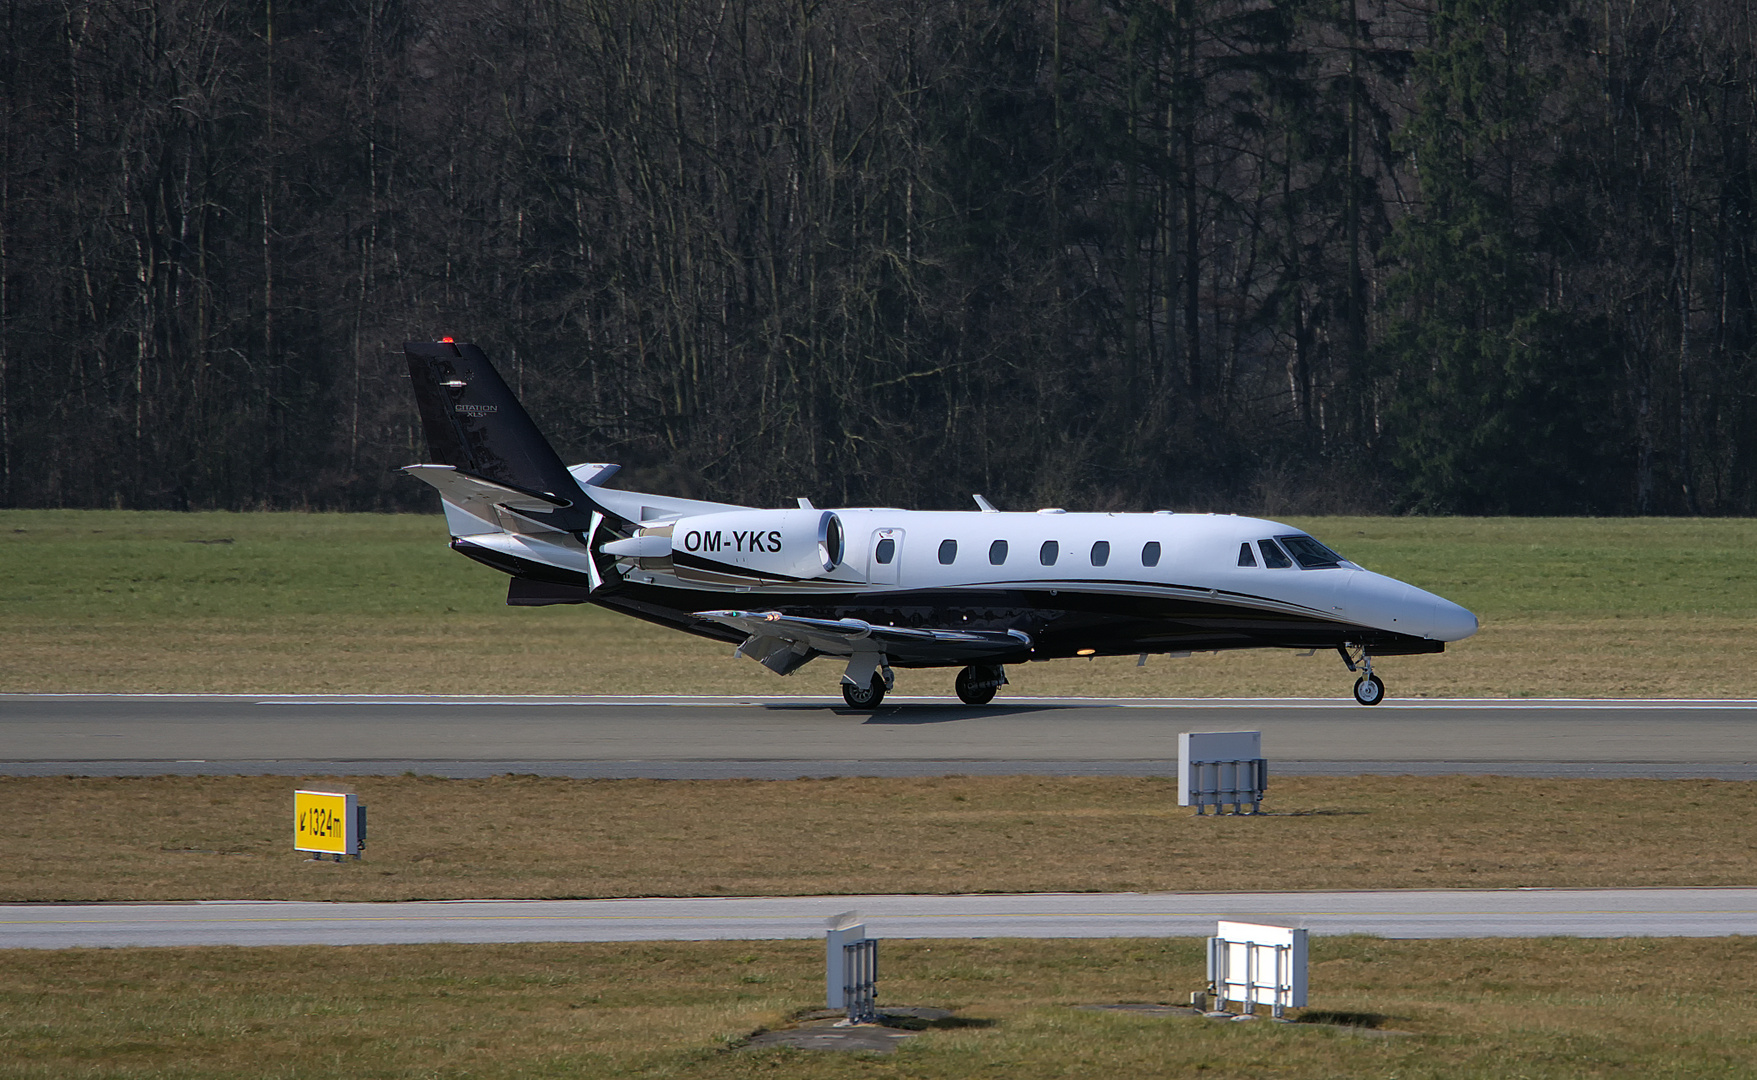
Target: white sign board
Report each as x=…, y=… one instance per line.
x=1258, y=963
x=1207, y=766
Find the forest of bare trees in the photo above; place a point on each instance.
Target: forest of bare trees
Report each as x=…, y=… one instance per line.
x=1439, y=256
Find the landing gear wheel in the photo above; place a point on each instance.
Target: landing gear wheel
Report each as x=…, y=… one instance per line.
x=1369, y=690
x=975, y=686
x=867, y=698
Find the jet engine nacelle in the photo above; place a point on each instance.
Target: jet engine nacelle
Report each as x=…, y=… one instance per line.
x=770, y=544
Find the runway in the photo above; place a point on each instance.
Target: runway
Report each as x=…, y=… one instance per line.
x=1413, y=914
x=783, y=737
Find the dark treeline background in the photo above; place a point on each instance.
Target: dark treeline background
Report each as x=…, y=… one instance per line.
x=1466, y=256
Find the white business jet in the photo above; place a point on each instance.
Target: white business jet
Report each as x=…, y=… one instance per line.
x=878, y=588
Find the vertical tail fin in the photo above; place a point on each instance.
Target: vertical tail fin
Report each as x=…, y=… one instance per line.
x=474, y=424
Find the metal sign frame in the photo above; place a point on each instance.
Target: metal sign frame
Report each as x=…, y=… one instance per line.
x=860, y=980
x=1258, y=963
x=1220, y=769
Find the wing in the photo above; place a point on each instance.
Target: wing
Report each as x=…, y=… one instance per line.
x=784, y=642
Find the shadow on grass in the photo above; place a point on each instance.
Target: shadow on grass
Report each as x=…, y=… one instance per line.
x=1341, y=1019
x=942, y=1023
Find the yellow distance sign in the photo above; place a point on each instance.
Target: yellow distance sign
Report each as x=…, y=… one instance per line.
x=326, y=821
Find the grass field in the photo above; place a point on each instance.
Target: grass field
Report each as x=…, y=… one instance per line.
x=187, y=838
x=1537, y=1009
x=120, y=601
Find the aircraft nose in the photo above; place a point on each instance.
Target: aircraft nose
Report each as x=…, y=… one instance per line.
x=1376, y=600
x=1446, y=621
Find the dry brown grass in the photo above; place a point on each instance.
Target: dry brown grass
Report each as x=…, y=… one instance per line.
x=1526, y=1008
x=168, y=838
x=591, y=651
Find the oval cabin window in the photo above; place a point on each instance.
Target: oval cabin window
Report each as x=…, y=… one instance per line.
x=948, y=552
x=997, y=552
x=1048, y=553
x=886, y=551
x=1101, y=553
x=1150, y=554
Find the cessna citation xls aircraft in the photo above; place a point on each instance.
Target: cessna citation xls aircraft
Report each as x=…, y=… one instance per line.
x=878, y=588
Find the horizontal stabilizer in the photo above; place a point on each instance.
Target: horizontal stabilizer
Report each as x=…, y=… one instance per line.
x=476, y=494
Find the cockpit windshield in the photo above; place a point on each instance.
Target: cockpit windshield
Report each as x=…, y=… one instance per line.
x=1310, y=554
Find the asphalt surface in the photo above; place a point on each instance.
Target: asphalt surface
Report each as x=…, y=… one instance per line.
x=1413, y=914
x=783, y=737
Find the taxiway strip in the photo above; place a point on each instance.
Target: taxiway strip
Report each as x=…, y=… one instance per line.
x=1411, y=914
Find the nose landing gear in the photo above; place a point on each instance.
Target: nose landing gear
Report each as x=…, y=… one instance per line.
x=1369, y=689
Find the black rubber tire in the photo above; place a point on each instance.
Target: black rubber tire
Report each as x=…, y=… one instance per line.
x=970, y=694
x=867, y=699
x=1369, y=690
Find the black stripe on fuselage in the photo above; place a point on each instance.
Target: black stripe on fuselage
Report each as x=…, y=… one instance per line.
x=1062, y=621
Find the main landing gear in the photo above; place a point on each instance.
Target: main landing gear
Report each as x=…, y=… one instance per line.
x=1369, y=689
x=865, y=697
x=977, y=683
x=867, y=681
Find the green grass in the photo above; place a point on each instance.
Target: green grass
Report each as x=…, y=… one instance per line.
x=1563, y=568
x=1537, y=1009
x=79, y=565
x=120, y=601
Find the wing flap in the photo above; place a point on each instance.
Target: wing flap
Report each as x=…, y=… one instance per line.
x=845, y=637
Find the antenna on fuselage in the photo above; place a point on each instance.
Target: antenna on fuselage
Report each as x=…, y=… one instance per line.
x=984, y=505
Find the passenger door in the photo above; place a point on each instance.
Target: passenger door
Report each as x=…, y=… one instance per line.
x=883, y=555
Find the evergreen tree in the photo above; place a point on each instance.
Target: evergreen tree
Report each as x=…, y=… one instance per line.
x=1498, y=398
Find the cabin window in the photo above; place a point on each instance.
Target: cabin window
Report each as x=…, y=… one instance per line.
x=886, y=551
x=1310, y=554
x=1272, y=556
x=1246, y=557
x=948, y=552
x=1049, y=552
x=1101, y=553
x=997, y=552
x=1150, y=554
